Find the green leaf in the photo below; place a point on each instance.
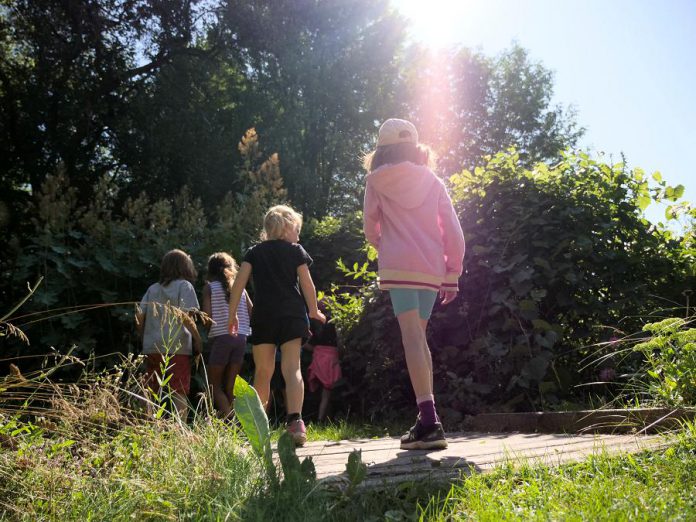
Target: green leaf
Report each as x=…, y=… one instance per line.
x=254, y=420
x=542, y=263
x=481, y=250
x=355, y=468
x=657, y=176
x=58, y=249
x=643, y=202
x=527, y=304
x=308, y=470
x=540, y=324
x=536, y=368
x=287, y=455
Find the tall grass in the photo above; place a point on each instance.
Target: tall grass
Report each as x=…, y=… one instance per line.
x=658, y=365
x=102, y=447
x=81, y=452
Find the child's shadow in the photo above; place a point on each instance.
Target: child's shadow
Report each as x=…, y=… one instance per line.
x=424, y=467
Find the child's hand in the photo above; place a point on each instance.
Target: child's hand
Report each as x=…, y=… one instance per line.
x=233, y=325
x=318, y=315
x=447, y=296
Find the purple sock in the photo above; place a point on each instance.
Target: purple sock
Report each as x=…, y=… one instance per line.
x=428, y=417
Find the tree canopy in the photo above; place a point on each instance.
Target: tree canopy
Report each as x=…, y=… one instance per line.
x=157, y=95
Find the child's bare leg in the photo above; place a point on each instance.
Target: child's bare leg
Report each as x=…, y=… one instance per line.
x=424, y=326
x=264, y=360
x=222, y=403
x=231, y=372
x=324, y=403
x=418, y=359
x=290, y=366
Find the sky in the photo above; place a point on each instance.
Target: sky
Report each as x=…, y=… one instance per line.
x=628, y=67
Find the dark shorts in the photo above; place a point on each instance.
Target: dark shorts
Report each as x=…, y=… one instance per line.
x=226, y=349
x=278, y=330
x=179, y=367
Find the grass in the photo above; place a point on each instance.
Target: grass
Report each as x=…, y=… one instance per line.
x=341, y=429
x=82, y=452
x=163, y=471
x=657, y=485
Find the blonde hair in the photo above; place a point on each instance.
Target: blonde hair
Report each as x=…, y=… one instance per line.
x=223, y=268
x=277, y=220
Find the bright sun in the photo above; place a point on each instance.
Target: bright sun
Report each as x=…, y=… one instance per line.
x=437, y=23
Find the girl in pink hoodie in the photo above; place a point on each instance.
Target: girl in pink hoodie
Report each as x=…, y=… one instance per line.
x=409, y=219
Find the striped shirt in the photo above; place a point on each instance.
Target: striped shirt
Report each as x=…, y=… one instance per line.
x=220, y=309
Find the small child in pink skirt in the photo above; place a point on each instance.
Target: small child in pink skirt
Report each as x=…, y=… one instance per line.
x=324, y=370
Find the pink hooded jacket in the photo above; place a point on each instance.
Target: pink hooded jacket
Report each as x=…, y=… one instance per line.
x=409, y=218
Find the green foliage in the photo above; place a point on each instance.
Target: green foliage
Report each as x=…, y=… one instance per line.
x=61, y=463
x=347, y=304
x=329, y=239
x=97, y=259
x=157, y=95
x=670, y=361
x=356, y=470
x=298, y=477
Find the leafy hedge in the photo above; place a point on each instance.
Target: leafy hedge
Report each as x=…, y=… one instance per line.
x=558, y=258
x=98, y=257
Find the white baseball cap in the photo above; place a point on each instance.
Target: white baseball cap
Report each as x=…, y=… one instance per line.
x=395, y=131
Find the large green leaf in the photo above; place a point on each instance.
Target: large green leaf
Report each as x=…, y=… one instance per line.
x=254, y=420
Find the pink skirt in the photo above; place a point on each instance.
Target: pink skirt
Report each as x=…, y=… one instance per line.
x=324, y=369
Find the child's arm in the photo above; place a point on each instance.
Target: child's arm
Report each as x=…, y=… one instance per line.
x=310, y=293
x=240, y=283
x=371, y=216
x=249, y=304
x=453, y=239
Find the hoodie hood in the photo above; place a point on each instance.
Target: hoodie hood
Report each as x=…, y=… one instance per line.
x=407, y=184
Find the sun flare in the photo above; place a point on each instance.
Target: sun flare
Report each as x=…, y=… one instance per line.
x=436, y=23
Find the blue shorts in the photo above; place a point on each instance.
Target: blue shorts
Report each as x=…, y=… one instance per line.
x=405, y=299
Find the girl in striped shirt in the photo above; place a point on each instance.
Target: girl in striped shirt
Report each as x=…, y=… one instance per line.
x=226, y=351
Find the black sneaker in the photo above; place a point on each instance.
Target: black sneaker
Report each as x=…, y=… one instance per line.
x=421, y=437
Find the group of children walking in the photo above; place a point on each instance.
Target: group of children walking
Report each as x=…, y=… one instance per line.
x=408, y=217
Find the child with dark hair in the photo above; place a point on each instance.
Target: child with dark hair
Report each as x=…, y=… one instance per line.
x=168, y=331
x=226, y=351
x=409, y=219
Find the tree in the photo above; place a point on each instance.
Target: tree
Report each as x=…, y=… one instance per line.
x=469, y=106
x=68, y=71
x=320, y=75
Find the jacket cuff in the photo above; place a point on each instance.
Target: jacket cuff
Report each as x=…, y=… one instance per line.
x=451, y=282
